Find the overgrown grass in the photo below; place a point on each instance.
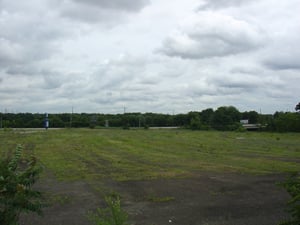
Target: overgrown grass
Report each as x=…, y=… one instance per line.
x=73, y=154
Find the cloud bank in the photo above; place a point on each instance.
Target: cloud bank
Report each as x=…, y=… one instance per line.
x=148, y=56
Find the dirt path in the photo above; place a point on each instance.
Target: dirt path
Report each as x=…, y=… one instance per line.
x=205, y=199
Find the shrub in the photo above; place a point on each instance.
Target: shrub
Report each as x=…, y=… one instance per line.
x=240, y=128
x=16, y=195
x=112, y=215
x=292, y=186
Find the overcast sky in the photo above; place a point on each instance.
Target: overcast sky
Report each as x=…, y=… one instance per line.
x=167, y=56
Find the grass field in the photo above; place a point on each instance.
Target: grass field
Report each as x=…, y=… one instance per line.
x=85, y=154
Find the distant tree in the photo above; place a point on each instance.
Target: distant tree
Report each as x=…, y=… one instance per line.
x=252, y=116
x=207, y=115
x=297, y=108
x=181, y=120
x=285, y=122
x=35, y=123
x=195, y=123
x=160, y=120
x=55, y=121
x=226, y=118
x=93, y=121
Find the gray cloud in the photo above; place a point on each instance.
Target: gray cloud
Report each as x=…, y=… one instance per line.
x=283, y=53
x=284, y=63
x=221, y=86
x=28, y=36
x=212, y=35
x=10, y=52
x=21, y=70
x=104, y=12
x=123, y=5
x=242, y=85
x=217, y=4
x=285, y=58
x=119, y=73
x=278, y=94
x=53, y=79
x=247, y=84
x=90, y=14
x=245, y=70
x=128, y=98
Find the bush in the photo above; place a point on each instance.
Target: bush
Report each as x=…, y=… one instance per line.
x=112, y=215
x=240, y=128
x=17, y=176
x=292, y=186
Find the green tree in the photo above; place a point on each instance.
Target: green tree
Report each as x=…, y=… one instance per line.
x=181, y=120
x=206, y=116
x=226, y=118
x=93, y=121
x=195, y=123
x=55, y=121
x=297, y=108
x=35, y=123
x=284, y=122
x=16, y=194
x=252, y=116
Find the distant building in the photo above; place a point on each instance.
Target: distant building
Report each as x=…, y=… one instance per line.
x=249, y=126
x=244, y=121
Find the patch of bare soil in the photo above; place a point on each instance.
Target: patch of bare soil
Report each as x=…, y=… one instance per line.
x=205, y=199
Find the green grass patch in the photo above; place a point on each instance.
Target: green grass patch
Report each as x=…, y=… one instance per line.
x=76, y=154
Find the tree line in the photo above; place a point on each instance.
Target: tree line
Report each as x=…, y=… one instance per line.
x=223, y=118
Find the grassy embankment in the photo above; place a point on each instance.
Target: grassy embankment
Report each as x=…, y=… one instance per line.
x=76, y=154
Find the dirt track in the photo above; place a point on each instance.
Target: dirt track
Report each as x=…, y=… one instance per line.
x=205, y=199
